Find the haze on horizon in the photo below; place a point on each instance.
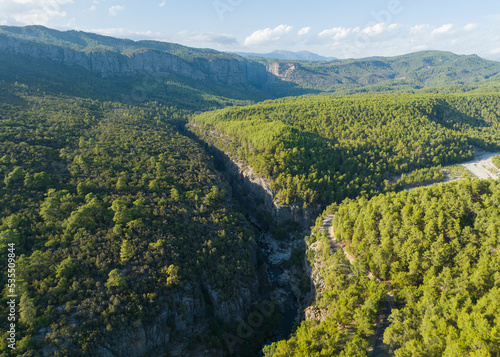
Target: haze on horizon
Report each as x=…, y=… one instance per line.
x=337, y=29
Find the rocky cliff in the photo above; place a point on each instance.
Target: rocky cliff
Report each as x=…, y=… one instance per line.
x=253, y=190
x=227, y=71
x=259, y=195
x=175, y=329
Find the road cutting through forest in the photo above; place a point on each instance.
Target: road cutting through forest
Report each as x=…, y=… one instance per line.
x=481, y=167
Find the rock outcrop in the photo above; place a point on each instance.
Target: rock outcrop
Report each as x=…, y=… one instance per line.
x=230, y=72
x=185, y=320
x=255, y=191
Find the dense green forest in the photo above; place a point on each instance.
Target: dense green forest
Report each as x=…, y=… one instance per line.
x=422, y=176
x=437, y=250
x=120, y=218
x=324, y=149
x=410, y=72
x=114, y=215
x=438, y=247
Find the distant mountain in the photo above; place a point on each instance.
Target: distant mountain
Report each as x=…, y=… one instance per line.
x=411, y=71
x=287, y=55
x=227, y=75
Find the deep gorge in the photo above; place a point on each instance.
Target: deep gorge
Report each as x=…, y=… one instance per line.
x=281, y=247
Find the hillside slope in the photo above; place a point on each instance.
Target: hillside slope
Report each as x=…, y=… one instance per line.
x=435, y=249
x=127, y=241
x=261, y=78
x=411, y=71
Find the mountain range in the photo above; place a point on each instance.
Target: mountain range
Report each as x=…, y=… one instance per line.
x=250, y=77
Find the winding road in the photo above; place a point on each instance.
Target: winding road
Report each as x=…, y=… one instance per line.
x=482, y=167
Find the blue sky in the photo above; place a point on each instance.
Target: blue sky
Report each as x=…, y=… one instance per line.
x=340, y=28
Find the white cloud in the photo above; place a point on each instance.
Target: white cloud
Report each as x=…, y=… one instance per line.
x=32, y=12
x=470, y=27
x=113, y=10
x=495, y=51
x=163, y=3
x=443, y=29
x=266, y=35
x=379, y=29
x=338, y=33
x=93, y=8
x=304, y=31
x=343, y=33
x=420, y=28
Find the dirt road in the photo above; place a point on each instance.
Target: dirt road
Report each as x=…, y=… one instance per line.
x=482, y=166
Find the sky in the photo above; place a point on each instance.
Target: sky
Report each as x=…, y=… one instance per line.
x=333, y=28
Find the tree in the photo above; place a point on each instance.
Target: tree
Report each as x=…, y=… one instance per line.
x=15, y=177
x=86, y=215
x=27, y=310
x=126, y=251
x=172, y=273
x=154, y=186
x=65, y=268
x=50, y=209
x=175, y=195
x=121, y=184
x=122, y=213
x=116, y=279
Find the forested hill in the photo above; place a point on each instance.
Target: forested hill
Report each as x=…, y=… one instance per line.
x=259, y=78
x=91, y=42
x=411, y=71
x=127, y=240
x=109, y=57
x=324, y=149
x=436, y=249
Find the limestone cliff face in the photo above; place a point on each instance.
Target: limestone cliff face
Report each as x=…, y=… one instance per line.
x=230, y=72
x=173, y=329
x=259, y=196
x=282, y=70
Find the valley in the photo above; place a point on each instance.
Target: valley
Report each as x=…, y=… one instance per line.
x=173, y=201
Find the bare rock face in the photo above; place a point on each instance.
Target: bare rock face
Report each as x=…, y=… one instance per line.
x=282, y=70
x=173, y=329
x=259, y=195
x=234, y=310
x=230, y=72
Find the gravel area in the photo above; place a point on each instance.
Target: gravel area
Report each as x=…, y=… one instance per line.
x=482, y=166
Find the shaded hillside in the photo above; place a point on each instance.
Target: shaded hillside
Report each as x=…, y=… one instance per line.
x=50, y=77
x=126, y=237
